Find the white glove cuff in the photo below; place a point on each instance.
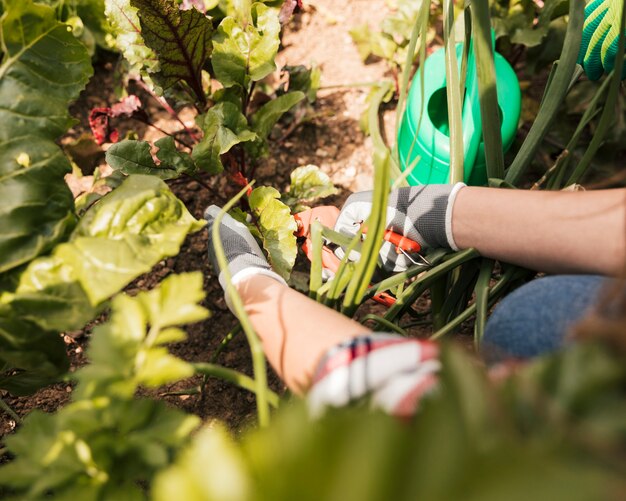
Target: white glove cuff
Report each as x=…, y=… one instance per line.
x=451, y=198
x=246, y=273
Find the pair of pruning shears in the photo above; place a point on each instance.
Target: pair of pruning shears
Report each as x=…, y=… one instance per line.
x=327, y=215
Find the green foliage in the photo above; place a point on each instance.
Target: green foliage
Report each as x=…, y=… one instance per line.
x=122, y=236
x=276, y=227
x=224, y=126
x=308, y=183
x=180, y=39
x=244, y=47
x=305, y=80
x=106, y=443
x=266, y=117
x=40, y=53
x=471, y=440
x=127, y=38
x=516, y=19
x=391, y=42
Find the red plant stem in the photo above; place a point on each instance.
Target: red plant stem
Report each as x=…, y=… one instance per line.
x=166, y=106
x=150, y=124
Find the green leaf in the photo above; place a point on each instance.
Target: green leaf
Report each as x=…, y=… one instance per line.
x=38, y=355
x=200, y=472
x=181, y=40
x=124, y=20
x=308, y=183
x=277, y=227
x=267, y=116
x=134, y=157
x=122, y=236
x=175, y=301
x=43, y=69
x=305, y=80
x=127, y=351
x=244, y=50
x=172, y=158
x=95, y=449
x=224, y=126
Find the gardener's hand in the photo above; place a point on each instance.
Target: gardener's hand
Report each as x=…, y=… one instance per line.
x=598, y=49
x=243, y=254
x=421, y=213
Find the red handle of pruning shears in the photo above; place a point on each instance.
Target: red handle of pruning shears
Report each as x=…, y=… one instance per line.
x=327, y=216
x=401, y=242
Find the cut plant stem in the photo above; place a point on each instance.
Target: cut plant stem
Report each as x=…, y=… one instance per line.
x=236, y=378
x=256, y=349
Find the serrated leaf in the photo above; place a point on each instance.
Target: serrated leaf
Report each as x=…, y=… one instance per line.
x=134, y=157
x=159, y=368
x=266, y=117
x=224, y=126
x=276, y=226
x=174, y=302
x=124, y=20
x=308, y=183
x=126, y=351
x=244, y=50
x=171, y=157
x=181, y=40
x=44, y=69
x=83, y=451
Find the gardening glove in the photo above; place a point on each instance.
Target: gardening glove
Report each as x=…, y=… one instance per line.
x=420, y=213
x=598, y=49
x=243, y=254
x=395, y=372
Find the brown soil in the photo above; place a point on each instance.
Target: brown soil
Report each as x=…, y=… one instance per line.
x=331, y=140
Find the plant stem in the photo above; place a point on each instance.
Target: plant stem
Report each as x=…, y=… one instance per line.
x=236, y=378
x=166, y=106
x=256, y=349
x=554, y=95
x=225, y=342
x=7, y=408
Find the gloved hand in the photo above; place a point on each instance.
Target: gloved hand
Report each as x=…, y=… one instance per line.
x=600, y=37
x=421, y=213
x=243, y=254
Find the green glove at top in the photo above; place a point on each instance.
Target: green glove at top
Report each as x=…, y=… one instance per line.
x=598, y=49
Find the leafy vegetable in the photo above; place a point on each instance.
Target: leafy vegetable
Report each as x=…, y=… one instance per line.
x=244, y=49
x=276, y=226
x=122, y=236
x=39, y=53
x=267, y=116
x=308, y=183
x=134, y=157
x=104, y=443
x=127, y=37
x=224, y=126
x=181, y=40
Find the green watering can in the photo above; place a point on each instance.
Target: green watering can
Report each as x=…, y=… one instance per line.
x=432, y=142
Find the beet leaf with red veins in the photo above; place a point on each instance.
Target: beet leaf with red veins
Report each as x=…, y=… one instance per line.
x=181, y=40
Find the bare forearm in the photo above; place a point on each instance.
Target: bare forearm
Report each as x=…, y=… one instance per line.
x=295, y=330
x=557, y=232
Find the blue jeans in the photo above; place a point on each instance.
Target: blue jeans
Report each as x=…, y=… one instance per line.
x=535, y=319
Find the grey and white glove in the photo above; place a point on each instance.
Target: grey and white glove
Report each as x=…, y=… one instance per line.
x=243, y=254
x=420, y=213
